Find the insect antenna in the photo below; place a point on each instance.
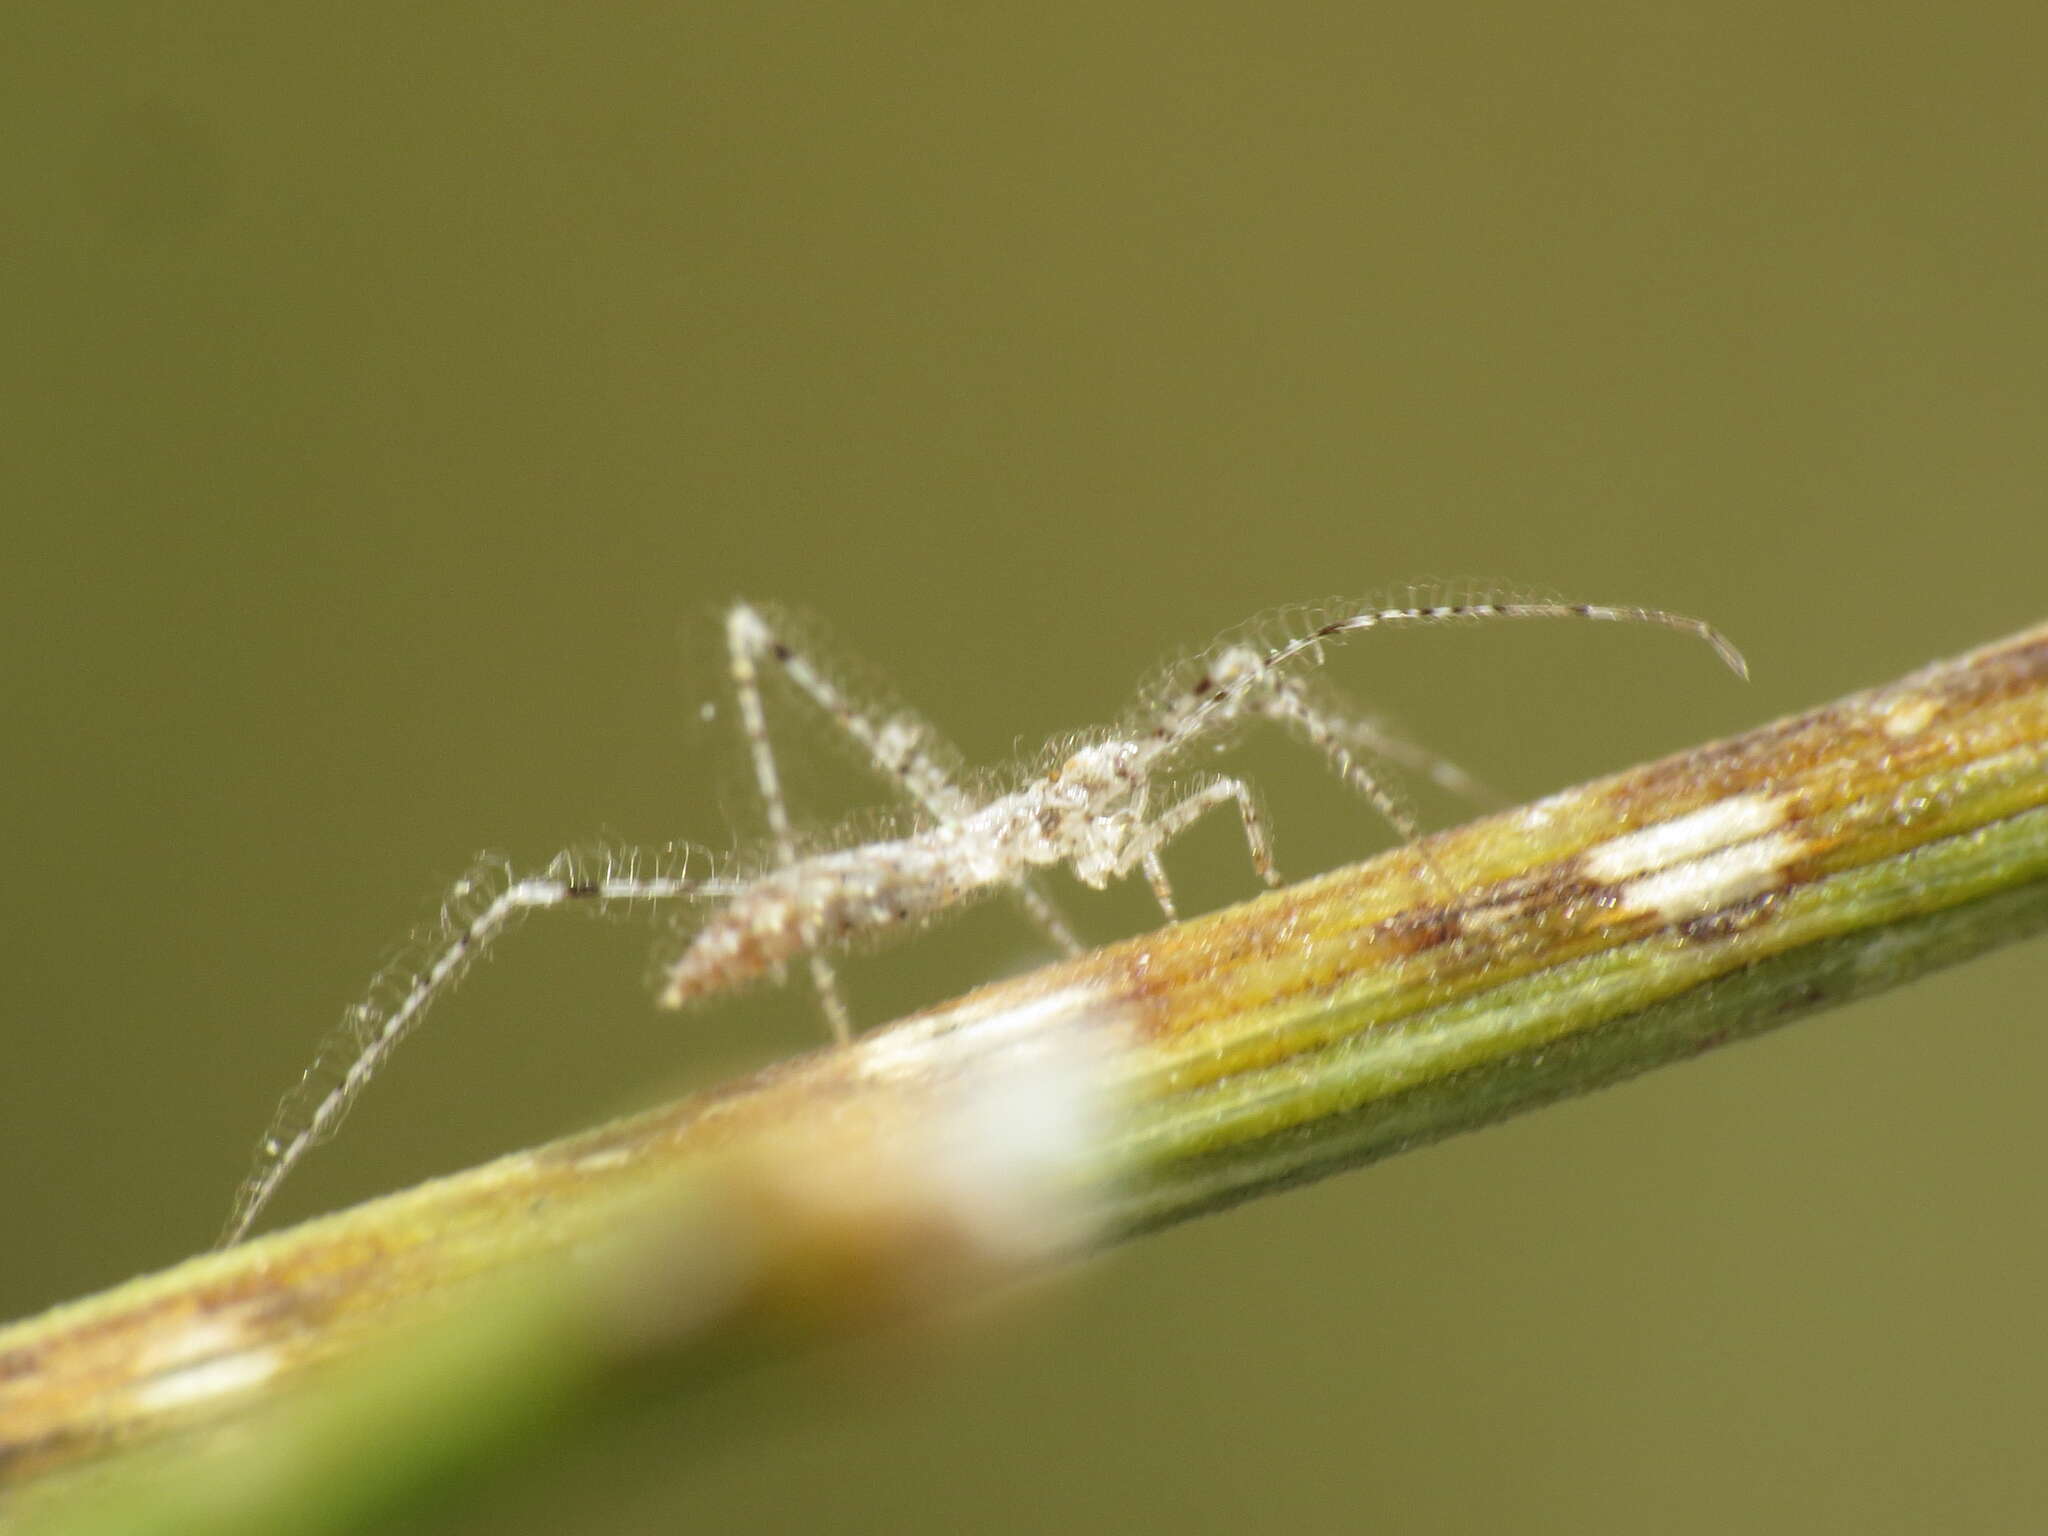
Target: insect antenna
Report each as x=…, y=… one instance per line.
x=1228, y=693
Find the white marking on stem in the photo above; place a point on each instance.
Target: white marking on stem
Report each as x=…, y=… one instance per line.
x=1733, y=820
x=1714, y=880
x=205, y=1359
x=1910, y=715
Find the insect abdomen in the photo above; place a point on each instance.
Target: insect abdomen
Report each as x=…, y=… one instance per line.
x=816, y=903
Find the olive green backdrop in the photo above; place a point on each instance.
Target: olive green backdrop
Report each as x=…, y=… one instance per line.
x=393, y=393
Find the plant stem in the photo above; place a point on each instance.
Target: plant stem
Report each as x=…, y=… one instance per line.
x=1525, y=957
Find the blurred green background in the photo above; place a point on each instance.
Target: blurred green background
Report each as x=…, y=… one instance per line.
x=392, y=394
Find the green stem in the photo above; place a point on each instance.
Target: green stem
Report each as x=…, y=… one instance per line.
x=1535, y=954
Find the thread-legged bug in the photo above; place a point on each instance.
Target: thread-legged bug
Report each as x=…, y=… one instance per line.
x=1103, y=808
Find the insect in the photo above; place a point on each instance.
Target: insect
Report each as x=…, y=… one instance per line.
x=1103, y=807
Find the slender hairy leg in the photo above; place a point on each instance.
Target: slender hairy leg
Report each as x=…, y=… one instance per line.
x=479, y=907
x=902, y=748
x=1177, y=818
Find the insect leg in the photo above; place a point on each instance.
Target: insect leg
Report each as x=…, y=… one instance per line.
x=1177, y=818
x=1327, y=717
x=901, y=747
x=478, y=908
x=1162, y=888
